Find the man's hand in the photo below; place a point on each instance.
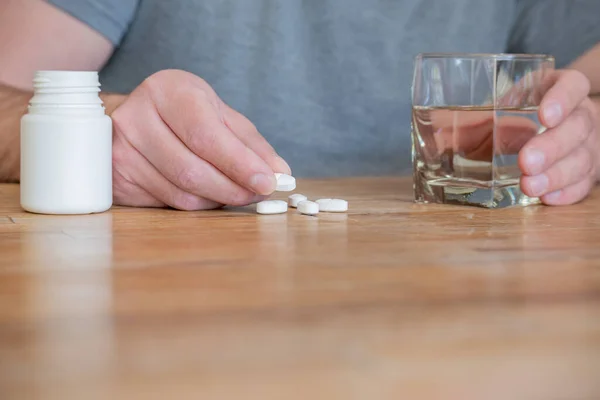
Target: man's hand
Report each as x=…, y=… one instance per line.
x=561, y=164
x=176, y=143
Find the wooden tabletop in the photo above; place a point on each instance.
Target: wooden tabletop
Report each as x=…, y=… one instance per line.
x=392, y=300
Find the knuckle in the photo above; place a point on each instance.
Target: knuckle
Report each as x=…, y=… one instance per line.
x=186, y=82
x=202, y=141
x=582, y=127
x=188, y=179
x=121, y=157
x=165, y=74
x=120, y=120
x=587, y=121
x=553, y=146
x=202, y=86
x=153, y=83
x=201, y=138
x=558, y=178
x=234, y=167
x=171, y=82
x=580, y=78
x=244, y=123
x=191, y=98
x=579, y=192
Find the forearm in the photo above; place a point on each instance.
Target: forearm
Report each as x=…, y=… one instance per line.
x=13, y=105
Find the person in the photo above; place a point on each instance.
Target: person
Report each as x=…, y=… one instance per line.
x=325, y=82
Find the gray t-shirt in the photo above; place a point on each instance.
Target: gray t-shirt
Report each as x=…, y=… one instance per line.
x=327, y=82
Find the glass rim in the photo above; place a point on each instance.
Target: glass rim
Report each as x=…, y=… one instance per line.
x=494, y=56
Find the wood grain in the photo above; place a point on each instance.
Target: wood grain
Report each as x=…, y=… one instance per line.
x=391, y=300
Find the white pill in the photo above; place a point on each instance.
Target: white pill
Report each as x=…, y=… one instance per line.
x=332, y=205
x=308, y=207
x=296, y=198
x=285, y=183
x=271, y=207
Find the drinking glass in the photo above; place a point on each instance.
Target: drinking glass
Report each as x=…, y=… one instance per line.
x=471, y=115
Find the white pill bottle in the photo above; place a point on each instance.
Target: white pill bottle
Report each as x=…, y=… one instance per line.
x=66, y=146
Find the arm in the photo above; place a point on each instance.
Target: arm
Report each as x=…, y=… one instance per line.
x=35, y=35
x=562, y=165
x=175, y=142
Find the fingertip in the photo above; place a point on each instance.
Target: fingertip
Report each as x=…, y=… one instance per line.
x=531, y=161
x=526, y=189
x=534, y=186
x=569, y=195
x=553, y=199
x=263, y=184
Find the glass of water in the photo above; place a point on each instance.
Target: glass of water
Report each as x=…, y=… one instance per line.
x=471, y=115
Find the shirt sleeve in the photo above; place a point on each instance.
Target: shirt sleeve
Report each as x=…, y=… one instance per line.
x=565, y=29
x=111, y=18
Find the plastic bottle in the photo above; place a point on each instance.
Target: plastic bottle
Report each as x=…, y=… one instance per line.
x=66, y=146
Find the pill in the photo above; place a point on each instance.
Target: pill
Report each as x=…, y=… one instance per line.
x=271, y=207
x=296, y=198
x=308, y=207
x=332, y=205
x=285, y=183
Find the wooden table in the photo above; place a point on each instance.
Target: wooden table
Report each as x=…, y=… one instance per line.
x=391, y=301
